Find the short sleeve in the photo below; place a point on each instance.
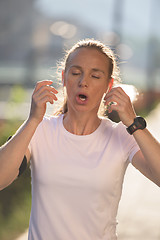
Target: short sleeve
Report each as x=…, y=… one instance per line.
x=38, y=136
x=43, y=134
x=128, y=143
x=33, y=139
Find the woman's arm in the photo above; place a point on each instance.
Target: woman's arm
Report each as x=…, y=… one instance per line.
x=12, y=152
x=147, y=160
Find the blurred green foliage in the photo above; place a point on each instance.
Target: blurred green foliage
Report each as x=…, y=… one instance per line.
x=17, y=94
x=15, y=205
x=15, y=200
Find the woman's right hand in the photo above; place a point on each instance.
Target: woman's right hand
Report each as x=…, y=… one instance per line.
x=42, y=94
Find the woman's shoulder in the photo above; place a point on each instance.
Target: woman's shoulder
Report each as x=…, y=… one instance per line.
x=51, y=118
x=109, y=123
x=114, y=126
x=50, y=121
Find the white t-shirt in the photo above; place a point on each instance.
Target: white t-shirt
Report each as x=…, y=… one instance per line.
x=77, y=180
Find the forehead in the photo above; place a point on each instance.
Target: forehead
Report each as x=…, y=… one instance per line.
x=88, y=57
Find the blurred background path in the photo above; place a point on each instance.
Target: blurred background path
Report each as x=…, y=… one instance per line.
x=139, y=211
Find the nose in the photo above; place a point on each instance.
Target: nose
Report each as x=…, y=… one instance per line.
x=83, y=81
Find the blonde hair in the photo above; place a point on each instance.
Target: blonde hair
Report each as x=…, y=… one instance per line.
x=92, y=44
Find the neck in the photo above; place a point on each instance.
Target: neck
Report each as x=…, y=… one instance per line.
x=81, y=123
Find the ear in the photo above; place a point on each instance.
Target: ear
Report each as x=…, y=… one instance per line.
x=63, y=81
x=110, y=85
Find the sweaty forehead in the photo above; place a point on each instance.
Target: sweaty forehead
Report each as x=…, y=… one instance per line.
x=88, y=57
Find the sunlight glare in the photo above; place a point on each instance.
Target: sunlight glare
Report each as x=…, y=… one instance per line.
x=130, y=90
x=63, y=29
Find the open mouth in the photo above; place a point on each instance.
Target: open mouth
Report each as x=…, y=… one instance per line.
x=82, y=97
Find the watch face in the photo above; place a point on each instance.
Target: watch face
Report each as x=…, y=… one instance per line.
x=140, y=123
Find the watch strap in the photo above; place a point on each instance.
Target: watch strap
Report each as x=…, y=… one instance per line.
x=132, y=128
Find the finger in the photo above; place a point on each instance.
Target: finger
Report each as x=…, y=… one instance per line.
x=117, y=97
x=116, y=91
x=46, y=88
x=120, y=90
x=39, y=100
x=47, y=93
x=43, y=101
x=43, y=91
x=122, y=106
x=113, y=98
x=42, y=83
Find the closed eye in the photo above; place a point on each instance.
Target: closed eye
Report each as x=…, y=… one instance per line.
x=97, y=77
x=75, y=73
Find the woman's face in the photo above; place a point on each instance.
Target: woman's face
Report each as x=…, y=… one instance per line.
x=86, y=79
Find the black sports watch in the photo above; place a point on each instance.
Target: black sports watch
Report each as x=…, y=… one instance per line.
x=139, y=123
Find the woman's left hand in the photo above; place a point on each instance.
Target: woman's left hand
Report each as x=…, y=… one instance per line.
x=122, y=104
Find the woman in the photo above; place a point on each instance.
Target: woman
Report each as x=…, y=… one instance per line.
x=79, y=159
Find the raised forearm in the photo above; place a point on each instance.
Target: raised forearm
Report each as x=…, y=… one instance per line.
x=12, y=152
x=149, y=161
x=150, y=148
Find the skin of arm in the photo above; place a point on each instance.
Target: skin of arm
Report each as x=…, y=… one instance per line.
x=13, y=151
x=147, y=160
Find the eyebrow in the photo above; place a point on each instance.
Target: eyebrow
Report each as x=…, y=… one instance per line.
x=76, y=66
x=93, y=69
x=98, y=70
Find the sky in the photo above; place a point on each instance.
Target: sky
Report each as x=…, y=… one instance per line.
x=99, y=13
